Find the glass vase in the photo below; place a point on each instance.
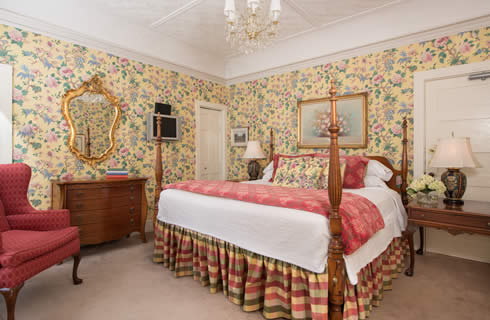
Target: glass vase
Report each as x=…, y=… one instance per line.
x=430, y=199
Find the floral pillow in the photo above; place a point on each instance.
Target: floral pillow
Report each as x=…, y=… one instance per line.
x=276, y=158
x=296, y=173
x=355, y=170
x=324, y=163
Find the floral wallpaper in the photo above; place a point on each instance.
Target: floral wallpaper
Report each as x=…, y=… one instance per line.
x=44, y=68
x=387, y=76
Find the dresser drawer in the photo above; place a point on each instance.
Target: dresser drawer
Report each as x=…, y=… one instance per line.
x=474, y=221
x=105, y=203
x=105, y=215
x=101, y=192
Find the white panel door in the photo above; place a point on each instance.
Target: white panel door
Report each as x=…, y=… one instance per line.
x=211, y=141
x=5, y=113
x=459, y=105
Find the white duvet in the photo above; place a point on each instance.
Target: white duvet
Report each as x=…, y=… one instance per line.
x=295, y=236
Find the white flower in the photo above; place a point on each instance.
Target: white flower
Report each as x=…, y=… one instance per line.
x=437, y=186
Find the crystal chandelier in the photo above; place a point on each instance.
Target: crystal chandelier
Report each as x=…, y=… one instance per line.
x=253, y=29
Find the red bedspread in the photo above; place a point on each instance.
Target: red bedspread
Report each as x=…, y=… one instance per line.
x=361, y=219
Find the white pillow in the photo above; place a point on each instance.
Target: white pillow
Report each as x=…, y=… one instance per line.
x=267, y=175
x=269, y=168
x=377, y=169
x=373, y=181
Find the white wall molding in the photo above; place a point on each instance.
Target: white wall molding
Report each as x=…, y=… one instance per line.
x=420, y=80
x=417, y=37
x=65, y=34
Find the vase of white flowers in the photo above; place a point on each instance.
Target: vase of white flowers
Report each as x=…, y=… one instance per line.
x=426, y=190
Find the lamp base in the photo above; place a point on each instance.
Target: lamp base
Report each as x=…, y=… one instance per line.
x=253, y=169
x=455, y=182
x=453, y=202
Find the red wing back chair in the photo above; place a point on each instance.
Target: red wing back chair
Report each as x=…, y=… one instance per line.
x=30, y=240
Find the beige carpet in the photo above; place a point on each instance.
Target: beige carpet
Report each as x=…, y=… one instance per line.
x=121, y=282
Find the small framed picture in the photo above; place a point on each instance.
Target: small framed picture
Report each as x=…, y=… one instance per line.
x=239, y=137
x=80, y=143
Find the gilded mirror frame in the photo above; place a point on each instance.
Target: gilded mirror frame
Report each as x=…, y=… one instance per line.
x=94, y=85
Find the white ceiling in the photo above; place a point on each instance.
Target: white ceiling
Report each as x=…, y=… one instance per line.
x=200, y=23
x=188, y=35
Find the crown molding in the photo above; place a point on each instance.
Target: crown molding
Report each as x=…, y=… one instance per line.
x=430, y=34
x=61, y=33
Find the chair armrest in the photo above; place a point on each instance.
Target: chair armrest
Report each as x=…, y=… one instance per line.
x=40, y=220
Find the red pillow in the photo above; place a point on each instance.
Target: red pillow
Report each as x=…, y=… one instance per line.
x=276, y=157
x=4, y=225
x=355, y=170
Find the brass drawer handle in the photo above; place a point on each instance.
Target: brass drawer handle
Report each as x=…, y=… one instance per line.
x=131, y=221
x=488, y=224
x=131, y=198
x=131, y=209
x=131, y=188
x=79, y=194
x=79, y=205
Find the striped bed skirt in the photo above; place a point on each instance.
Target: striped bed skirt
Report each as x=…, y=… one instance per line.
x=279, y=289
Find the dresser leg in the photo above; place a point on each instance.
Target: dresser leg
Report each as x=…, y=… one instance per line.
x=420, y=251
x=408, y=234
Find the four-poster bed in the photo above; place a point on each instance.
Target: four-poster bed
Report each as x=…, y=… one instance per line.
x=340, y=290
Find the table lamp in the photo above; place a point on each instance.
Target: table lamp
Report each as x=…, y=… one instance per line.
x=454, y=153
x=253, y=152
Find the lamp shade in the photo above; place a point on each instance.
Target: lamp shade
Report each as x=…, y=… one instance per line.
x=454, y=153
x=254, y=151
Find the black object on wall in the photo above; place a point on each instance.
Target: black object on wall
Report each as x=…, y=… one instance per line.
x=163, y=108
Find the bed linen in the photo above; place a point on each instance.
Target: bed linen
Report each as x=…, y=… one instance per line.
x=294, y=236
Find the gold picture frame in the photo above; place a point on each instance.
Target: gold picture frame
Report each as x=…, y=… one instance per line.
x=314, y=117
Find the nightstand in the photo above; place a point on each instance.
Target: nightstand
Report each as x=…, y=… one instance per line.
x=472, y=217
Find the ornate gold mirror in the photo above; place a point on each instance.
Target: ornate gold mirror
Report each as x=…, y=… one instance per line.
x=93, y=115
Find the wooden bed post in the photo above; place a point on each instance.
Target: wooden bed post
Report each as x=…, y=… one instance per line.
x=271, y=146
x=158, y=168
x=403, y=187
x=336, y=268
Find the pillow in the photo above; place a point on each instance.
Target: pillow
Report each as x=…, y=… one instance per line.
x=373, y=181
x=269, y=168
x=295, y=173
x=377, y=169
x=4, y=225
x=355, y=170
x=324, y=163
x=276, y=158
x=267, y=176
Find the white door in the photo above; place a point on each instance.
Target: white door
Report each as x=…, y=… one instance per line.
x=211, y=142
x=462, y=106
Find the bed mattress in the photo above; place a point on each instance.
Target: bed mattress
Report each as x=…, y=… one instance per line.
x=294, y=236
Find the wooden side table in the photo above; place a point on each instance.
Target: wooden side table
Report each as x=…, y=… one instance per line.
x=472, y=217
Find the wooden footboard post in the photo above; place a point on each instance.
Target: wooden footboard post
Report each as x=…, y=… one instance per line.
x=336, y=268
x=403, y=187
x=158, y=168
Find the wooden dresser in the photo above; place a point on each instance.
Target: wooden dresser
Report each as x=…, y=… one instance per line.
x=103, y=210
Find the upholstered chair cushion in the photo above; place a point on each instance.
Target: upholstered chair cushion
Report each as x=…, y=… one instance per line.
x=4, y=225
x=20, y=246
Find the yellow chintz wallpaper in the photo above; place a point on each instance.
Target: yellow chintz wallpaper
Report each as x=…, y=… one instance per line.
x=387, y=76
x=44, y=68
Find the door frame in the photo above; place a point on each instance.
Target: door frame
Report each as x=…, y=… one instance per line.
x=420, y=79
x=223, y=109
x=6, y=133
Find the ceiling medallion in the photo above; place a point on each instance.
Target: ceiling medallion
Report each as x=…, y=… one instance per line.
x=254, y=28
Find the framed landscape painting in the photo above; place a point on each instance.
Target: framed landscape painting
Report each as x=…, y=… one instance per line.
x=314, y=120
x=239, y=137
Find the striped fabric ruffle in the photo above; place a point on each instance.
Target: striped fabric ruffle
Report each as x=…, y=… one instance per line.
x=256, y=282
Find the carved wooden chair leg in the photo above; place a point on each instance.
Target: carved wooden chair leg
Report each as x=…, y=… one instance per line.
x=76, y=262
x=10, y=296
x=408, y=234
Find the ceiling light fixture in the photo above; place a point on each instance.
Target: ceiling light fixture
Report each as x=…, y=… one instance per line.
x=252, y=29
